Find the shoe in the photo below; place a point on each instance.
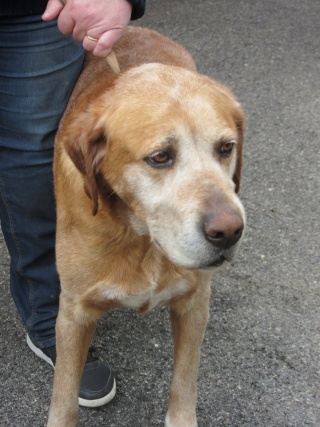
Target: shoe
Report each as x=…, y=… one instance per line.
x=98, y=385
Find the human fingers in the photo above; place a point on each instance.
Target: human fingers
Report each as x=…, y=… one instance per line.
x=103, y=45
x=66, y=20
x=97, y=17
x=53, y=9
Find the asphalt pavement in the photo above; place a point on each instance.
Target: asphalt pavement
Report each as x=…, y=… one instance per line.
x=261, y=355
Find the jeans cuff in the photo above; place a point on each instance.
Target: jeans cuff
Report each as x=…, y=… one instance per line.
x=42, y=344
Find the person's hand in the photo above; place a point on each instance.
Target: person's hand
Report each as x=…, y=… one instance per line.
x=101, y=20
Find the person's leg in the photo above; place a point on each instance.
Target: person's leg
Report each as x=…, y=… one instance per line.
x=38, y=70
x=28, y=224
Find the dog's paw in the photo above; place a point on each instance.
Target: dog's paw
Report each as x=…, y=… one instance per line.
x=181, y=420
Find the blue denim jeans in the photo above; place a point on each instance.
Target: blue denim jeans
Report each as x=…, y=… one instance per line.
x=38, y=70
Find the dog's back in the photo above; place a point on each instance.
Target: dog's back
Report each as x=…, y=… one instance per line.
x=137, y=46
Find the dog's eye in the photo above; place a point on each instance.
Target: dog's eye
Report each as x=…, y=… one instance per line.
x=160, y=159
x=225, y=148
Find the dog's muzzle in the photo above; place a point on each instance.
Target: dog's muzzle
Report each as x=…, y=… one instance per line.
x=223, y=229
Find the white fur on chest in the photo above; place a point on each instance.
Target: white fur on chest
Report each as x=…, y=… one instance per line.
x=152, y=298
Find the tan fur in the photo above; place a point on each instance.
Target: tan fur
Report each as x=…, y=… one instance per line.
x=132, y=234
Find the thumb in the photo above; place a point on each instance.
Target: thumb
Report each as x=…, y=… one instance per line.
x=53, y=9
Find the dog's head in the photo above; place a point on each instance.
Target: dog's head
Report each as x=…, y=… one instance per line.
x=168, y=143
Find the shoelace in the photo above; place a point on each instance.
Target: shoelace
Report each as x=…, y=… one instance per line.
x=93, y=355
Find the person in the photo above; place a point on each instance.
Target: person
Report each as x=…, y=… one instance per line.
x=40, y=60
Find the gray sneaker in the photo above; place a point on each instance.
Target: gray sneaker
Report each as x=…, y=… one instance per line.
x=98, y=385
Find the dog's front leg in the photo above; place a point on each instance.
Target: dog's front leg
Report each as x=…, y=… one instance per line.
x=74, y=337
x=189, y=317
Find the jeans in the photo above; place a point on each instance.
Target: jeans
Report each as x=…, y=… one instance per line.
x=38, y=70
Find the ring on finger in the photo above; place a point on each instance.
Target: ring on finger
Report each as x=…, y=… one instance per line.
x=92, y=38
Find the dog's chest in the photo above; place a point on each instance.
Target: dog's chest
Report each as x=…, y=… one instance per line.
x=147, y=300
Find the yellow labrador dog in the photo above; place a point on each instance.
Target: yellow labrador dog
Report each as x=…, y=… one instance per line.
x=147, y=167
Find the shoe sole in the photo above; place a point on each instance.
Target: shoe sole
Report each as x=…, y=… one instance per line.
x=82, y=402
x=38, y=352
x=99, y=402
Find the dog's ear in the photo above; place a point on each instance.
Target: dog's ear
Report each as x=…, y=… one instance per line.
x=87, y=151
x=240, y=123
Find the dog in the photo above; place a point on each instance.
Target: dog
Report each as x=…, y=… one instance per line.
x=147, y=168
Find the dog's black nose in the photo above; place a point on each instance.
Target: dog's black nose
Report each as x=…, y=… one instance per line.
x=224, y=229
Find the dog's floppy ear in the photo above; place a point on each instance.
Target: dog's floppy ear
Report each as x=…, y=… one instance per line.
x=87, y=153
x=240, y=123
